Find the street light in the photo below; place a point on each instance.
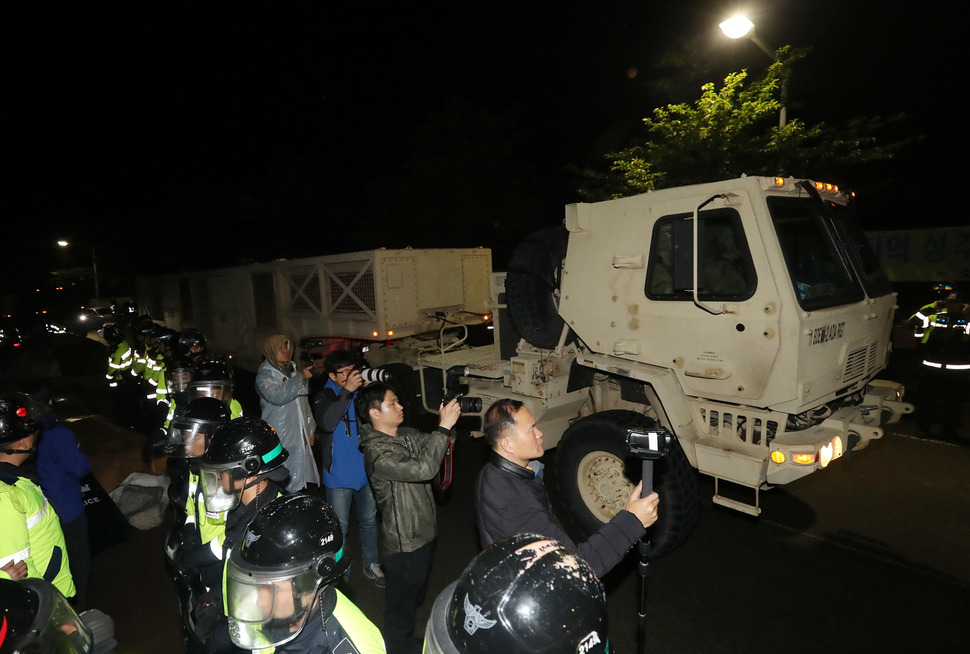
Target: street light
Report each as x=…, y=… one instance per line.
x=94, y=267
x=738, y=27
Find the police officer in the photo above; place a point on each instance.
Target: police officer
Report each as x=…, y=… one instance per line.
x=923, y=319
x=191, y=344
x=280, y=580
x=119, y=355
x=121, y=383
x=945, y=358
x=188, y=435
x=526, y=593
x=31, y=540
x=157, y=364
x=178, y=376
x=213, y=378
x=34, y=617
x=241, y=470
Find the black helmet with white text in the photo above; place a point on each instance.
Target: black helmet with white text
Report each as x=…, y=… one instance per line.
x=243, y=449
x=290, y=553
x=526, y=593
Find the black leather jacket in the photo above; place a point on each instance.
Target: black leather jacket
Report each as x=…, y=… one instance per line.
x=511, y=499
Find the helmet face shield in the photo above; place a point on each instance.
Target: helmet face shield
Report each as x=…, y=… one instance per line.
x=55, y=627
x=220, y=390
x=179, y=380
x=223, y=484
x=186, y=439
x=266, y=609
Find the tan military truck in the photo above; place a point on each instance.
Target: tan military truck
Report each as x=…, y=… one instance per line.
x=747, y=316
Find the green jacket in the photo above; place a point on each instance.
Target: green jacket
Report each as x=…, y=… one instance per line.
x=400, y=469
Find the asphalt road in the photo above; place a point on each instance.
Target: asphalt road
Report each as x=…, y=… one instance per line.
x=871, y=554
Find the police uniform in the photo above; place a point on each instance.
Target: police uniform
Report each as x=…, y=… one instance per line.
x=30, y=531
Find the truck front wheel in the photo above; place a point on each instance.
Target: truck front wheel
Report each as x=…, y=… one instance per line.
x=596, y=474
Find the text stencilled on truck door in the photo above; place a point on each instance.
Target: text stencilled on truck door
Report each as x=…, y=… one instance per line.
x=827, y=333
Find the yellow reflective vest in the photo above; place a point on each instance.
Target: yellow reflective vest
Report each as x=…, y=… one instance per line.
x=30, y=531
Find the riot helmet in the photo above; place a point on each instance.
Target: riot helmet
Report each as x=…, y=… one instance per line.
x=17, y=421
x=143, y=326
x=190, y=338
x=239, y=450
x=178, y=374
x=212, y=378
x=290, y=553
x=36, y=618
x=942, y=290
x=526, y=593
x=113, y=334
x=193, y=427
x=164, y=337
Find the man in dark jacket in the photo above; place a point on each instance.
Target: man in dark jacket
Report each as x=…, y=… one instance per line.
x=342, y=461
x=511, y=495
x=400, y=462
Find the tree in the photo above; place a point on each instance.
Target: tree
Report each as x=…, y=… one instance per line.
x=732, y=130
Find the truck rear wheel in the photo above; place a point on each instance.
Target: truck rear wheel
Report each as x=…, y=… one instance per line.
x=532, y=287
x=596, y=475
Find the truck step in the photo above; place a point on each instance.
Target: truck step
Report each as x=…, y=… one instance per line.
x=737, y=505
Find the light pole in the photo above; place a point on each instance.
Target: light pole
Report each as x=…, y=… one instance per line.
x=738, y=27
x=94, y=267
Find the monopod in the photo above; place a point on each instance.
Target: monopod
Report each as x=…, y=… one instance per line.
x=648, y=445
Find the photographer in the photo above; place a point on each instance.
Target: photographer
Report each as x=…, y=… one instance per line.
x=400, y=462
x=282, y=390
x=511, y=498
x=342, y=461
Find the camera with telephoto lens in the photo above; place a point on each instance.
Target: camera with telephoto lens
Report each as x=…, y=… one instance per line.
x=465, y=404
x=370, y=375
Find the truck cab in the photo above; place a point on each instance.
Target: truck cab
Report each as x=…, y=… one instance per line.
x=752, y=309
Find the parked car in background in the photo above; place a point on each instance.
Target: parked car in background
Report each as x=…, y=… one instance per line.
x=89, y=319
x=10, y=336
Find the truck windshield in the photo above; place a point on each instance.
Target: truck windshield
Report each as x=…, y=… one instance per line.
x=866, y=264
x=815, y=246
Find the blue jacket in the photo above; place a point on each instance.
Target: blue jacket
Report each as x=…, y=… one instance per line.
x=336, y=417
x=61, y=466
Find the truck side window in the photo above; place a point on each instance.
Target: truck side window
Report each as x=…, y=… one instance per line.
x=725, y=270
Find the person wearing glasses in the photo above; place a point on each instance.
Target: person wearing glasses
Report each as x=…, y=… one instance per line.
x=342, y=460
x=282, y=391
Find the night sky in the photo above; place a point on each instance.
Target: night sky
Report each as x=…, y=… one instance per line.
x=184, y=136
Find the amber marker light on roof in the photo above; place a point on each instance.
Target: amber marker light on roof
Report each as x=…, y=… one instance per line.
x=779, y=181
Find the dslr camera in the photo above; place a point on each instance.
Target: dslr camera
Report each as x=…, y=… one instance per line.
x=465, y=404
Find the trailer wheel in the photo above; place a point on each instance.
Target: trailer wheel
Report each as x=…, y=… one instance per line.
x=596, y=475
x=532, y=287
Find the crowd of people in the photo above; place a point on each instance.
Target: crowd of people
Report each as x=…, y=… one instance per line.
x=261, y=506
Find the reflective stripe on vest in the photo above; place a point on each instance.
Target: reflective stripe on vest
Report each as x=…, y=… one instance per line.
x=35, y=519
x=16, y=556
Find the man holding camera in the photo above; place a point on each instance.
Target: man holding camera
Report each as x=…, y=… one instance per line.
x=511, y=494
x=400, y=462
x=342, y=461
